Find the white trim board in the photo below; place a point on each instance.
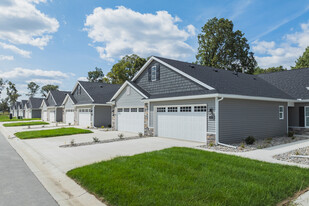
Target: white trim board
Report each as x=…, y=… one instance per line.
x=174, y=69
x=124, y=86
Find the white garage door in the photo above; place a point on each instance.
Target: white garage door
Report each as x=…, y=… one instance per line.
x=44, y=116
x=52, y=116
x=130, y=119
x=69, y=116
x=182, y=122
x=84, y=117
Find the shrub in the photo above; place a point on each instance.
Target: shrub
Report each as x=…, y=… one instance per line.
x=211, y=144
x=109, y=125
x=140, y=134
x=242, y=145
x=70, y=124
x=72, y=142
x=250, y=140
x=120, y=135
x=290, y=134
x=95, y=139
x=102, y=127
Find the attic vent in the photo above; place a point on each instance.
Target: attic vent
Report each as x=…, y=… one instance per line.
x=235, y=73
x=101, y=86
x=254, y=78
x=215, y=70
x=192, y=66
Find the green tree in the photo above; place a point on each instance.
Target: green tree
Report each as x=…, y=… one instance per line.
x=259, y=70
x=221, y=47
x=2, y=85
x=33, y=89
x=302, y=61
x=49, y=87
x=125, y=69
x=96, y=75
x=4, y=105
x=12, y=93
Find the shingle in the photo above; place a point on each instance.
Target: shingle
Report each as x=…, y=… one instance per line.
x=101, y=93
x=228, y=82
x=293, y=82
x=59, y=96
x=35, y=103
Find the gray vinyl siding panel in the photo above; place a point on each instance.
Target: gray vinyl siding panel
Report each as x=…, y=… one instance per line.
x=50, y=101
x=170, y=82
x=82, y=98
x=69, y=104
x=59, y=115
x=239, y=119
x=210, y=105
x=102, y=116
x=36, y=113
x=294, y=114
x=131, y=100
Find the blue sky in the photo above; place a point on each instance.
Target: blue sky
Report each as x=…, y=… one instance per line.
x=58, y=42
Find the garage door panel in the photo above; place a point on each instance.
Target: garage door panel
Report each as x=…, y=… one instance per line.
x=84, y=119
x=182, y=125
x=130, y=121
x=69, y=117
x=52, y=116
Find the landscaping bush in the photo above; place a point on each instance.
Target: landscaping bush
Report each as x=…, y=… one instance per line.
x=290, y=134
x=250, y=140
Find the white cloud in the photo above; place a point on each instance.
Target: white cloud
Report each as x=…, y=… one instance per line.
x=82, y=79
x=22, y=23
x=123, y=31
x=45, y=81
x=3, y=57
x=15, y=49
x=26, y=73
x=269, y=54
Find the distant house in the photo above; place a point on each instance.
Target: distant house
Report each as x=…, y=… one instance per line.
x=51, y=107
x=87, y=104
x=32, y=108
x=22, y=111
x=175, y=99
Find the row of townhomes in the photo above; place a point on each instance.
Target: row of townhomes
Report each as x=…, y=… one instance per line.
x=175, y=99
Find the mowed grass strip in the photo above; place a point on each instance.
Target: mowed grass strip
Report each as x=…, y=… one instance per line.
x=18, y=124
x=183, y=176
x=51, y=133
x=15, y=120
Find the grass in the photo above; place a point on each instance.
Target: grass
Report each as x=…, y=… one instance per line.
x=51, y=133
x=18, y=124
x=183, y=176
x=6, y=118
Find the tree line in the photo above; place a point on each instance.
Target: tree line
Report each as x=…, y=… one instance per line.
x=219, y=46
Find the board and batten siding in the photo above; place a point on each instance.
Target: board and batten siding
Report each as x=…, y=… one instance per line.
x=102, y=116
x=83, y=97
x=239, y=119
x=169, y=82
x=209, y=102
x=59, y=114
x=50, y=101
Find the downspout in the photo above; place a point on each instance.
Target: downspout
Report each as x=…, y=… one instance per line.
x=93, y=115
x=217, y=124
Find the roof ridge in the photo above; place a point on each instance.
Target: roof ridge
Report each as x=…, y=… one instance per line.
x=289, y=70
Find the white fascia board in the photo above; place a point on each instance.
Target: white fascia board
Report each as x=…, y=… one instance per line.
x=230, y=96
x=122, y=88
x=174, y=69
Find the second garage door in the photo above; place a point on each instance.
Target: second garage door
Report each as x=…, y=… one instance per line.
x=130, y=119
x=84, y=117
x=182, y=122
x=44, y=116
x=69, y=116
x=52, y=116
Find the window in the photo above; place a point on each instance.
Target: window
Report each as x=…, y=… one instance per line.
x=128, y=90
x=200, y=109
x=185, y=109
x=133, y=109
x=126, y=110
x=153, y=73
x=140, y=109
x=161, y=109
x=281, y=112
x=119, y=109
x=172, y=109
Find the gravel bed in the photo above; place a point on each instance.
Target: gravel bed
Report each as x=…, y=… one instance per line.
x=99, y=142
x=258, y=144
x=288, y=156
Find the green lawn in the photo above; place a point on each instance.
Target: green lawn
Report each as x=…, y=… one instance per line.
x=51, y=133
x=18, y=124
x=6, y=118
x=183, y=176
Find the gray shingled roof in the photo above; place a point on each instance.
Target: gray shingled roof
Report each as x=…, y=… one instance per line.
x=23, y=103
x=227, y=82
x=292, y=82
x=34, y=102
x=73, y=99
x=101, y=93
x=140, y=89
x=59, y=96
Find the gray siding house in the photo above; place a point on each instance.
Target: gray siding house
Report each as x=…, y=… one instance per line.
x=32, y=108
x=51, y=107
x=175, y=99
x=87, y=104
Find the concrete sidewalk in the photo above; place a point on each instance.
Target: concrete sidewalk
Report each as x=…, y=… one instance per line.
x=18, y=185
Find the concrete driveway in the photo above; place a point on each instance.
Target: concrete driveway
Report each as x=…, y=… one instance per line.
x=50, y=162
x=18, y=185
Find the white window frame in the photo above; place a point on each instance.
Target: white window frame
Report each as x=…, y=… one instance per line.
x=281, y=112
x=153, y=73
